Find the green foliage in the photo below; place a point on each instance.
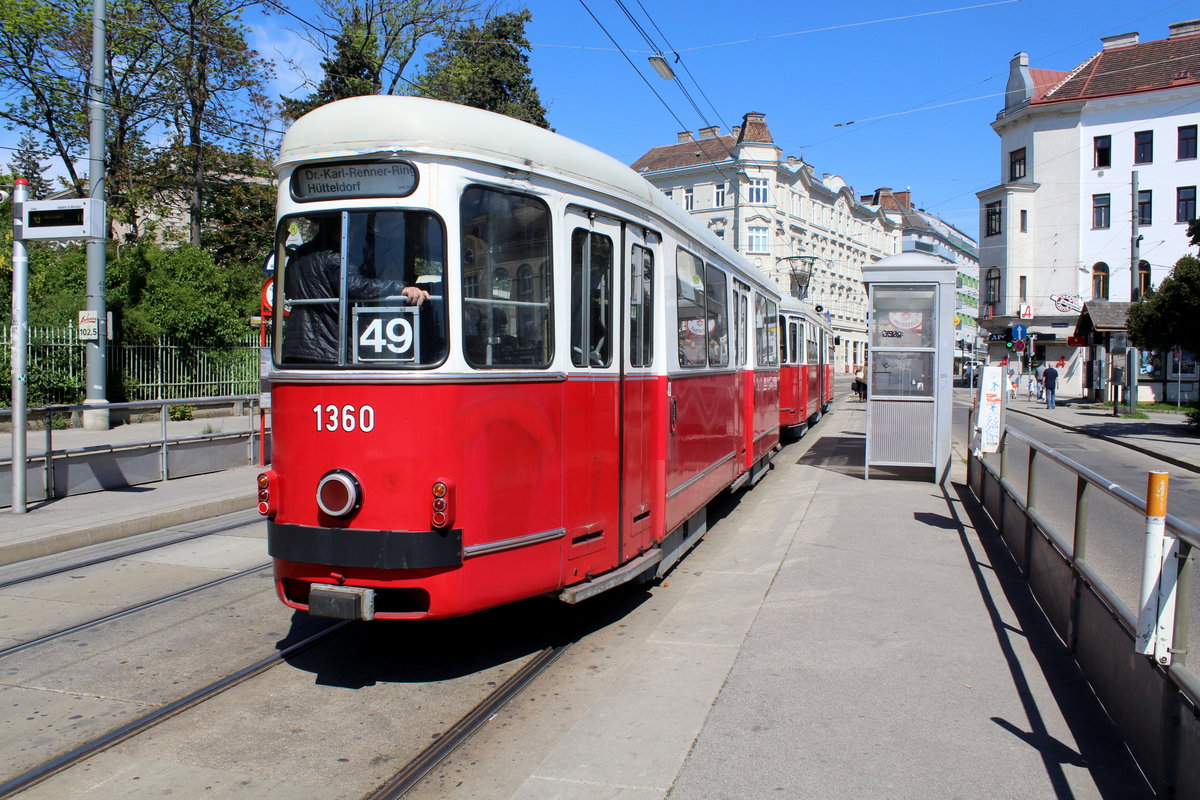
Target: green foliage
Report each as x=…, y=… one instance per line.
x=181, y=413
x=349, y=72
x=1167, y=316
x=486, y=66
x=239, y=214
x=1193, y=419
x=1193, y=232
x=181, y=293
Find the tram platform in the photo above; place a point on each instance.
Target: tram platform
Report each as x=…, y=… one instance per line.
x=832, y=637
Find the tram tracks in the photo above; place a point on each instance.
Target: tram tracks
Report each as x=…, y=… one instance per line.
x=159, y=715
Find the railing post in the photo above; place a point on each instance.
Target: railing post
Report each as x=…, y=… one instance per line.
x=1183, y=605
x=1031, y=480
x=48, y=473
x=1079, y=544
x=163, y=456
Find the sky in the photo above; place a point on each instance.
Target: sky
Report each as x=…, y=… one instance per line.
x=896, y=93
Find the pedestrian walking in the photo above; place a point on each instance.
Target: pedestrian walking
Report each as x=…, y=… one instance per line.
x=1050, y=385
x=1039, y=374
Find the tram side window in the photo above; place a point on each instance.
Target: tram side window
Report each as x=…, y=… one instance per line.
x=766, y=329
x=743, y=313
x=813, y=352
x=346, y=295
x=641, y=307
x=506, y=323
x=793, y=340
x=591, y=300
x=689, y=274
x=718, y=321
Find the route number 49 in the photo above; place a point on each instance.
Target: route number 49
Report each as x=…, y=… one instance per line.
x=385, y=334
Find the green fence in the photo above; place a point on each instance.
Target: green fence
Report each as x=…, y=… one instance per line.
x=164, y=370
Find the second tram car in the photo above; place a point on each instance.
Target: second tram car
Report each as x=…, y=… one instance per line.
x=505, y=365
x=806, y=354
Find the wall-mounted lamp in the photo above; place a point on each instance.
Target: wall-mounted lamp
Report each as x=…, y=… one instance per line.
x=662, y=67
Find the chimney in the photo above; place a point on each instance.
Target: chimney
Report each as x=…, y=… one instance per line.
x=737, y=131
x=683, y=136
x=1120, y=40
x=793, y=161
x=710, y=132
x=1189, y=28
x=1019, y=88
x=903, y=198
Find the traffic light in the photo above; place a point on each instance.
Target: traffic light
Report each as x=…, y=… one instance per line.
x=1008, y=338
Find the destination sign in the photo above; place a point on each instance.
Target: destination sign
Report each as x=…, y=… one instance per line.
x=354, y=179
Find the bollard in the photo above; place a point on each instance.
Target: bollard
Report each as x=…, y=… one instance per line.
x=1156, y=607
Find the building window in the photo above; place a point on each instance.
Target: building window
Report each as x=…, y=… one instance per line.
x=993, y=218
x=1100, y=281
x=1016, y=164
x=1145, y=206
x=1143, y=279
x=1187, y=141
x=1101, y=211
x=992, y=290
x=1102, y=151
x=1185, y=203
x=1022, y=287
x=689, y=199
x=758, y=190
x=1024, y=221
x=670, y=194
x=1143, y=147
x=758, y=239
x=719, y=195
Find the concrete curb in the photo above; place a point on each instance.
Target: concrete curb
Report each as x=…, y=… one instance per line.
x=69, y=539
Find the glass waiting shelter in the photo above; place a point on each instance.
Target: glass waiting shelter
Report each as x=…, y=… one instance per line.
x=911, y=362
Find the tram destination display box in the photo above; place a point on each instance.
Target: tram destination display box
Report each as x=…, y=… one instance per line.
x=43, y=220
x=910, y=362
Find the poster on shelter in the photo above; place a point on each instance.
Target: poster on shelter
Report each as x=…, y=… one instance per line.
x=990, y=420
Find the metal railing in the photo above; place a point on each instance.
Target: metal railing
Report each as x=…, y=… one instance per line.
x=1085, y=612
x=146, y=370
x=165, y=444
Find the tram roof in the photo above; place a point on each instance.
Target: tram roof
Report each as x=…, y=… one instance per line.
x=384, y=125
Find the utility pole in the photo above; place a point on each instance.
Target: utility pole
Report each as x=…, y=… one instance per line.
x=1135, y=250
x=97, y=351
x=20, y=342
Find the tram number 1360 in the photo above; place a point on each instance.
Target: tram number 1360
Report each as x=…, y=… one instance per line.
x=386, y=334
x=344, y=418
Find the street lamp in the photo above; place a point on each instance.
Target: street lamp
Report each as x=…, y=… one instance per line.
x=801, y=276
x=662, y=67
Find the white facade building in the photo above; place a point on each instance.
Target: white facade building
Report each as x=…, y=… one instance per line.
x=1058, y=231
x=809, y=234
x=929, y=234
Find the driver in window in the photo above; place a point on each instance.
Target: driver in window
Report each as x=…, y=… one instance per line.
x=313, y=272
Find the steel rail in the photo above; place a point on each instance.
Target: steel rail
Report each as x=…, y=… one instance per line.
x=134, y=727
x=445, y=744
x=83, y=626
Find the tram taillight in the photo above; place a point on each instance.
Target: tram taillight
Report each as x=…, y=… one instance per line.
x=265, y=507
x=442, y=507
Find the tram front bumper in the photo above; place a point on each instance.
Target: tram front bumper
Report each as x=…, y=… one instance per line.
x=341, y=602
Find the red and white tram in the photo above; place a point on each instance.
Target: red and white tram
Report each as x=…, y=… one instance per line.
x=586, y=368
x=806, y=355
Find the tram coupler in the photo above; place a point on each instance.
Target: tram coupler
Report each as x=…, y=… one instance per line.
x=341, y=602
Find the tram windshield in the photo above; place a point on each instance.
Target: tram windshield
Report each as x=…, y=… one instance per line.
x=343, y=284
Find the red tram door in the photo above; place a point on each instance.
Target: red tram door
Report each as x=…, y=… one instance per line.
x=591, y=402
x=643, y=421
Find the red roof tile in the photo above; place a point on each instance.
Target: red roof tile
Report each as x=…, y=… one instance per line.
x=686, y=154
x=1135, y=68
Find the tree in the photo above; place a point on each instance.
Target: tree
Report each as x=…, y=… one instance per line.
x=350, y=72
x=486, y=66
x=1166, y=317
x=27, y=164
x=1193, y=232
x=214, y=79
x=388, y=32
x=43, y=83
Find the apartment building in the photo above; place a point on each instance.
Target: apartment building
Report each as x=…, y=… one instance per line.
x=810, y=235
x=923, y=232
x=1098, y=178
